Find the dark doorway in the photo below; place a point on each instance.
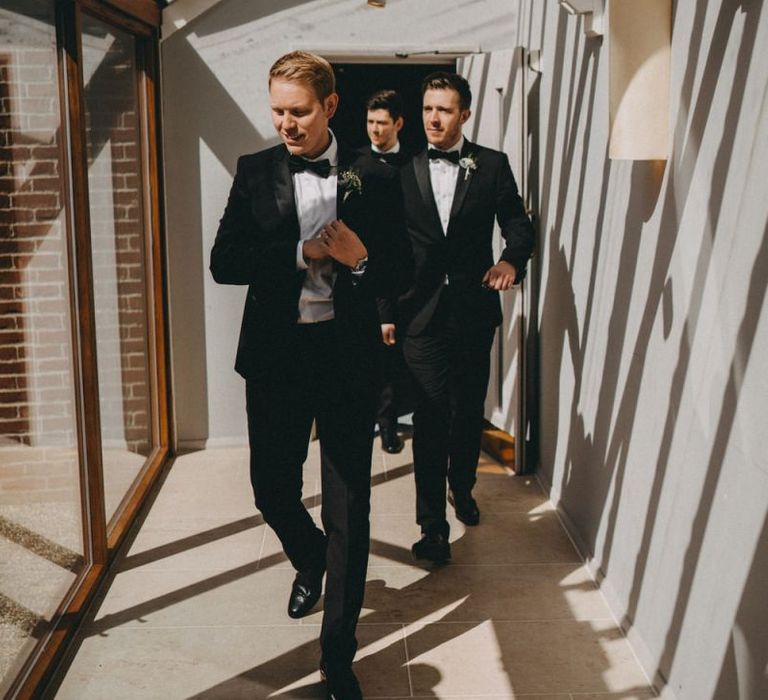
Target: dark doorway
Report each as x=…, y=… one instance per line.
x=356, y=82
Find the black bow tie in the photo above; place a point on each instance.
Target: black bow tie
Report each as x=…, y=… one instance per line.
x=297, y=164
x=386, y=157
x=450, y=156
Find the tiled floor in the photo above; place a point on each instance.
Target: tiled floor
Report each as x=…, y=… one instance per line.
x=196, y=609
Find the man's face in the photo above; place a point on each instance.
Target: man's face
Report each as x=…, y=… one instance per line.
x=300, y=117
x=382, y=129
x=443, y=117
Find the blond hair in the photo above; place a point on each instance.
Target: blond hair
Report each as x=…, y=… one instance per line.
x=307, y=68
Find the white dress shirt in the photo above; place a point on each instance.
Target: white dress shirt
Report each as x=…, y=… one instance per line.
x=394, y=149
x=443, y=176
x=316, y=206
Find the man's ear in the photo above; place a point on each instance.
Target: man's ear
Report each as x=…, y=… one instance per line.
x=465, y=114
x=331, y=104
x=399, y=123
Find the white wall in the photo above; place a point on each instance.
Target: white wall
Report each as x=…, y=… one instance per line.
x=653, y=339
x=214, y=109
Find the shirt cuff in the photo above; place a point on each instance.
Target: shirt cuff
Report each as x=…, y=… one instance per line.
x=301, y=264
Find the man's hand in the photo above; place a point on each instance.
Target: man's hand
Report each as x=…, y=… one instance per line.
x=388, y=333
x=342, y=243
x=315, y=249
x=500, y=277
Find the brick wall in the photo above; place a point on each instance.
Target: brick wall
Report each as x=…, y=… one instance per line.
x=38, y=460
x=117, y=239
x=37, y=427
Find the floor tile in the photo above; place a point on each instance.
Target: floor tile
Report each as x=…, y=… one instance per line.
x=512, y=538
x=210, y=546
x=196, y=608
x=639, y=694
x=501, y=538
x=240, y=596
x=459, y=659
x=477, y=593
x=227, y=663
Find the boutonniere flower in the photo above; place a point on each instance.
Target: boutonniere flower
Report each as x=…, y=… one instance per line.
x=469, y=164
x=350, y=182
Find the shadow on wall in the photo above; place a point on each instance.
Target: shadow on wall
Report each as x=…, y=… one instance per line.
x=199, y=112
x=596, y=463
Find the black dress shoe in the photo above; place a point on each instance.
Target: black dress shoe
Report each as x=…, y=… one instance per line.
x=305, y=592
x=465, y=507
x=391, y=442
x=340, y=684
x=434, y=548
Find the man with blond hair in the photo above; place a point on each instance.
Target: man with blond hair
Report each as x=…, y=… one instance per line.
x=316, y=232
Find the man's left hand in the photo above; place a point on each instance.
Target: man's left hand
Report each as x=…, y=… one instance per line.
x=500, y=277
x=343, y=243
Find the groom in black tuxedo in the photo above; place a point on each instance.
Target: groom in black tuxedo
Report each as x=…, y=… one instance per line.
x=454, y=190
x=317, y=233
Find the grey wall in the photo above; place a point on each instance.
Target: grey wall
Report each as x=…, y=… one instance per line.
x=653, y=341
x=214, y=108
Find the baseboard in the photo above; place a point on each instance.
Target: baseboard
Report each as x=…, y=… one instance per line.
x=615, y=605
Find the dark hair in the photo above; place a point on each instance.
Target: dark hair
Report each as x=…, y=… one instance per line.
x=386, y=99
x=449, y=81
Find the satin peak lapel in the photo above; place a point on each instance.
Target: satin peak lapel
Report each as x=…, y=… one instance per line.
x=421, y=169
x=345, y=158
x=463, y=181
x=284, y=194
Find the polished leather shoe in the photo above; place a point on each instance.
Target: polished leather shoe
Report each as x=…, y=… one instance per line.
x=391, y=442
x=305, y=592
x=340, y=684
x=434, y=548
x=465, y=507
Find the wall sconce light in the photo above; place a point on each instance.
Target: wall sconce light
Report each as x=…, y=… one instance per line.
x=593, y=11
x=377, y=3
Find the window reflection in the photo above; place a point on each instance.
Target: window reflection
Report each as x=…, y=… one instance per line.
x=117, y=240
x=41, y=542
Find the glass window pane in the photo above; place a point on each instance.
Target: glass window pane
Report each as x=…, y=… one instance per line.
x=110, y=75
x=41, y=532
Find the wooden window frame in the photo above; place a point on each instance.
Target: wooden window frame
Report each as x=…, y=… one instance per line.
x=141, y=18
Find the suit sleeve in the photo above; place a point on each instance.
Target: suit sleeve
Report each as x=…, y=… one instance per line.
x=516, y=227
x=390, y=260
x=241, y=254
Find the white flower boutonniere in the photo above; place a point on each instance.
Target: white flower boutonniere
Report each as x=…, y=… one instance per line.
x=469, y=164
x=350, y=182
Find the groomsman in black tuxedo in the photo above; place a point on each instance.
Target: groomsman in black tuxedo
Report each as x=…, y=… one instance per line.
x=454, y=190
x=384, y=120
x=316, y=233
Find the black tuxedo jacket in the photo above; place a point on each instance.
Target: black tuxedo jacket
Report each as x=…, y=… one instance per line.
x=256, y=246
x=465, y=252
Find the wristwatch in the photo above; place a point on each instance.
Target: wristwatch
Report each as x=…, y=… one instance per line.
x=360, y=266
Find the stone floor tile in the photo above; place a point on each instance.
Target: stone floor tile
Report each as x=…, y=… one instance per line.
x=240, y=596
x=210, y=546
x=478, y=593
x=521, y=657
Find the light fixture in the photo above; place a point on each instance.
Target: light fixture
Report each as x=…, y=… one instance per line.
x=592, y=10
x=377, y=3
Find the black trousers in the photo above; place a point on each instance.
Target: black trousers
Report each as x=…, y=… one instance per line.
x=450, y=363
x=395, y=381
x=317, y=383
